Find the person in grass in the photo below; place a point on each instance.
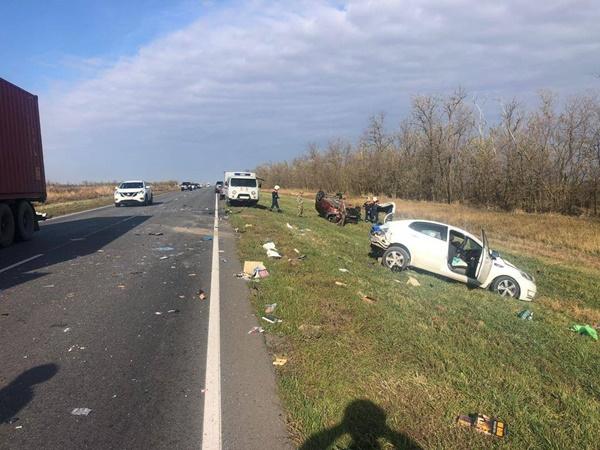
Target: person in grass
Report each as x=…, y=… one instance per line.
x=275, y=199
x=300, y=200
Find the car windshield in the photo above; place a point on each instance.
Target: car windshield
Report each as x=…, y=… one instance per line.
x=135, y=185
x=243, y=182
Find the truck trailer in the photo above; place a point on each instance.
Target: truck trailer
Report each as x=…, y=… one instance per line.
x=22, y=177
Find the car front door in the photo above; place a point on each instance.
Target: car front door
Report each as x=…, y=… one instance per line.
x=485, y=261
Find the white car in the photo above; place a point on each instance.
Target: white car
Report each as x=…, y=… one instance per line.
x=133, y=193
x=451, y=252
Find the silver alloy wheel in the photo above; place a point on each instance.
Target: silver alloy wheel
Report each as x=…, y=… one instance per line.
x=507, y=288
x=394, y=258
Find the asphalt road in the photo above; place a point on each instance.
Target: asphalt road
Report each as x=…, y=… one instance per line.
x=97, y=313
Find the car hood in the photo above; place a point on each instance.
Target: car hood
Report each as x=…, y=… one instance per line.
x=129, y=191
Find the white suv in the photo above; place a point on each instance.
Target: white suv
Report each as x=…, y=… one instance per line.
x=451, y=252
x=133, y=193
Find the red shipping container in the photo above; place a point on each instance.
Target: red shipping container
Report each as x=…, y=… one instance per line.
x=21, y=158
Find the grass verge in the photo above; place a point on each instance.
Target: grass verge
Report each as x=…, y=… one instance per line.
x=400, y=370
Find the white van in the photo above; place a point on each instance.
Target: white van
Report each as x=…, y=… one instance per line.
x=241, y=188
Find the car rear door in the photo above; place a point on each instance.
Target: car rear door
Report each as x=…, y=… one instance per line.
x=428, y=247
x=485, y=261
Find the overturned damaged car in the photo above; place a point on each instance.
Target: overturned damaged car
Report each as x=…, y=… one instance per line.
x=334, y=208
x=450, y=252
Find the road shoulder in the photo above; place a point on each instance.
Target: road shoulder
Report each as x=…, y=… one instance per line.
x=252, y=414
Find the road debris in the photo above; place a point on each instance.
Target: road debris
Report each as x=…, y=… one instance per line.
x=290, y=226
x=256, y=330
x=158, y=313
x=343, y=270
x=201, y=295
x=483, y=424
x=191, y=274
x=121, y=286
x=81, y=411
x=75, y=347
x=66, y=330
x=157, y=233
x=525, y=315
x=163, y=257
x=271, y=319
x=248, y=225
x=164, y=249
x=413, y=281
x=297, y=251
x=243, y=276
x=49, y=286
x=273, y=254
x=270, y=309
x=173, y=311
x=585, y=330
x=207, y=238
x=339, y=283
x=280, y=361
x=366, y=298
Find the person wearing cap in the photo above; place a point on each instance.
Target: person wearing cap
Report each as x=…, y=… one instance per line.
x=275, y=198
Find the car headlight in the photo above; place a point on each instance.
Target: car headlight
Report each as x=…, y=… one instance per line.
x=234, y=192
x=140, y=192
x=526, y=276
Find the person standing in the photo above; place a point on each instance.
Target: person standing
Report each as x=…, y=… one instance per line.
x=300, y=200
x=275, y=199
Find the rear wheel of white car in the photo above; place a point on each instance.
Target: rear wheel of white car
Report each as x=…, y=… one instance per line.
x=395, y=258
x=506, y=287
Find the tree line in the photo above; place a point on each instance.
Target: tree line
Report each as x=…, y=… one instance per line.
x=544, y=159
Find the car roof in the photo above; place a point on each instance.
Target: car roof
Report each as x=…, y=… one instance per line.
x=132, y=181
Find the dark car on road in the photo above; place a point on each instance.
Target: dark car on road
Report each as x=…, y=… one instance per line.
x=186, y=186
x=218, y=187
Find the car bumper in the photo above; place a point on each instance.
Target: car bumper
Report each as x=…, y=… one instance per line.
x=528, y=290
x=129, y=200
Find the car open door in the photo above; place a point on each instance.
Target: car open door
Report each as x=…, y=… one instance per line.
x=485, y=261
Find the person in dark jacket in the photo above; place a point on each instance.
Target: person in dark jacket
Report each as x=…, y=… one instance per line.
x=275, y=199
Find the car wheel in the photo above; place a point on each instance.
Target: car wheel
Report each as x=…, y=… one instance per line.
x=506, y=287
x=395, y=258
x=117, y=205
x=333, y=218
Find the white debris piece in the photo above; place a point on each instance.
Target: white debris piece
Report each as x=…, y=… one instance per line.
x=81, y=411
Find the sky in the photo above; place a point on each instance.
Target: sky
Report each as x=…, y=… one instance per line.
x=185, y=89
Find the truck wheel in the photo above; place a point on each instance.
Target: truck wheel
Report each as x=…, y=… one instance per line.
x=25, y=224
x=7, y=226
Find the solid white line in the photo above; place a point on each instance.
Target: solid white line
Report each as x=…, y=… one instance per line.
x=21, y=262
x=211, y=428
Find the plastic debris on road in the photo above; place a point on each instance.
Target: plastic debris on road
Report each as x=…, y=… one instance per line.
x=81, y=411
x=164, y=249
x=49, y=286
x=207, y=238
x=256, y=330
x=250, y=267
x=343, y=270
x=413, y=282
x=201, y=295
x=163, y=257
x=339, y=283
x=66, y=330
x=280, y=361
x=158, y=313
x=191, y=274
x=297, y=251
x=172, y=311
x=270, y=309
x=155, y=234
x=585, y=330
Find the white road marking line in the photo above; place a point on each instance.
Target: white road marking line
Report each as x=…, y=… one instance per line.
x=21, y=262
x=211, y=427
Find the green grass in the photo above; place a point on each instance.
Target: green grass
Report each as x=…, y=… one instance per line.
x=62, y=208
x=421, y=354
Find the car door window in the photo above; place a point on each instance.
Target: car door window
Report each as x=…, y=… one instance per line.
x=433, y=230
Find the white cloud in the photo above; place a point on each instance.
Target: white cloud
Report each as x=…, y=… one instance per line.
x=256, y=81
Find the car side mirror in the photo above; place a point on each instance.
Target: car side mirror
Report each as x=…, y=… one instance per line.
x=116, y=187
x=494, y=254
x=149, y=186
